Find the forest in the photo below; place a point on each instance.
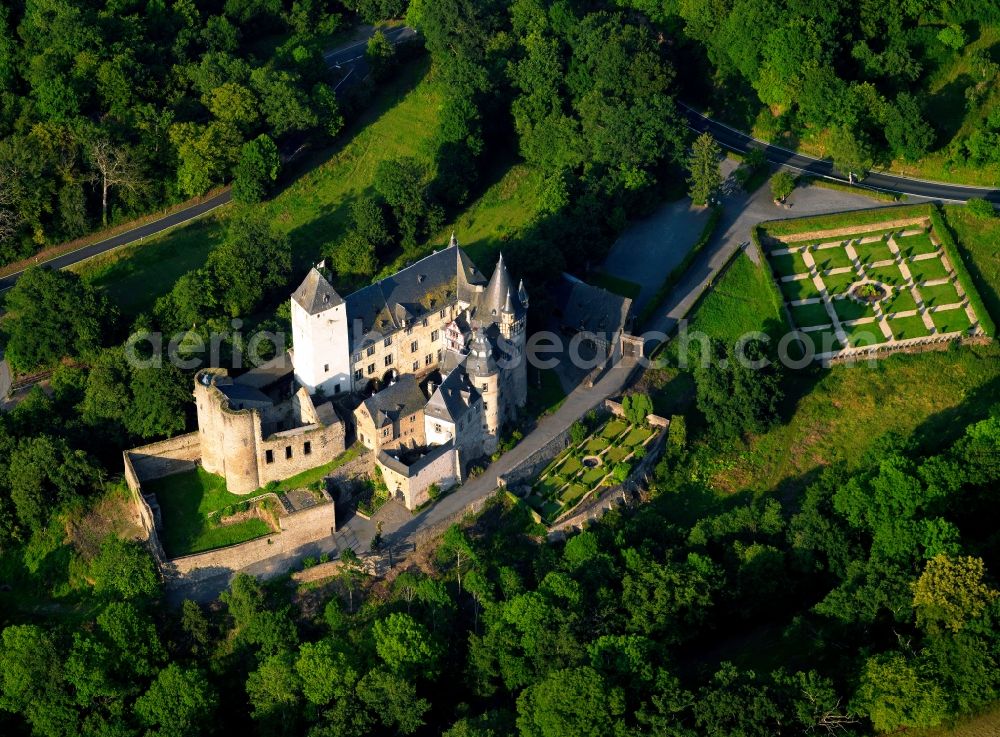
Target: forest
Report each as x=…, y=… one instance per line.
x=874, y=584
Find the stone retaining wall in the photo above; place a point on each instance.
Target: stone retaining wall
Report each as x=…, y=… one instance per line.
x=535, y=463
x=852, y=229
x=298, y=529
x=616, y=409
x=156, y=460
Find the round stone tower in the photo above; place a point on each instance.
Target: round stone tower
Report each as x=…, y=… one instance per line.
x=485, y=377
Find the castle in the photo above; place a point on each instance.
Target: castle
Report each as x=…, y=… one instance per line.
x=428, y=365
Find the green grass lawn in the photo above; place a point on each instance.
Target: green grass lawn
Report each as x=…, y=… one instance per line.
x=914, y=245
x=889, y=274
x=573, y=494
x=832, y=258
x=614, y=284
x=788, y=264
x=134, y=276
x=616, y=454
x=499, y=213
x=591, y=476
x=550, y=510
x=848, y=309
x=545, y=392
x=846, y=411
x=928, y=269
x=939, y=294
x=570, y=467
x=840, y=283
x=595, y=445
x=874, y=251
x=743, y=300
x=614, y=428
x=638, y=436
x=867, y=334
x=823, y=341
x=900, y=301
x=951, y=321
x=313, y=210
x=186, y=500
x=805, y=316
x=908, y=327
x=800, y=289
x=979, y=242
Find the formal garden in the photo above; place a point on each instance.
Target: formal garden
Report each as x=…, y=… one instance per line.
x=886, y=278
x=602, y=453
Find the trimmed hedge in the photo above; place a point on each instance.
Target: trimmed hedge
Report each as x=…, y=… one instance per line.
x=678, y=271
x=859, y=189
x=964, y=278
x=844, y=219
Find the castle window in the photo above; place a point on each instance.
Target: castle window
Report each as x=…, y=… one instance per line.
x=437, y=427
x=387, y=342
x=428, y=359
x=416, y=365
x=485, y=406
x=435, y=334
x=307, y=448
x=388, y=360
x=486, y=387
x=371, y=369
x=336, y=388
x=288, y=451
x=413, y=347
x=408, y=331
x=268, y=456
x=439, y=355
x=357, y=374
x=326, y=368
x=425, y=322
x=442, y=313
x=385, y=433
x=357, y=358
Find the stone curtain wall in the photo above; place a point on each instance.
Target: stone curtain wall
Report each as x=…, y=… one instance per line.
x=298, y=531
x=616, y=409
x=146, y=518
x=166, y=458
x=531, y=466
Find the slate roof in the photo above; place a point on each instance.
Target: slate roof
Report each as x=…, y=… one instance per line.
x=239, y=393
x=393, y=460
x=425, y=286
x=397, y=400
x=587, y=308
x=315, y=294
x=453, y=398
x=268, y=373
x=495, y=296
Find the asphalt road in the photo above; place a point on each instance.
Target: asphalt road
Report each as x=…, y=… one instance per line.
x=349, y=58
x=738, y=141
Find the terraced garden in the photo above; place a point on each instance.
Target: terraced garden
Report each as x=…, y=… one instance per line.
x=588, y=466
x=918, y=286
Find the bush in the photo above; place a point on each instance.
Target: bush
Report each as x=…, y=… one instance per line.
x=308, y=562
x=980, y=208
x=434, y=492
x=782, y=185
x=577, y=433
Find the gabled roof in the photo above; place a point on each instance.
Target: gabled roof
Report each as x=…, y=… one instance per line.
x=315, y=294
x=397, y=400
x=425, y=286
x=590, y=309
x=397, y=461
x=453, y=398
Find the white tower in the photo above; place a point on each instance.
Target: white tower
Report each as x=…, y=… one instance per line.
x=321, y=349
